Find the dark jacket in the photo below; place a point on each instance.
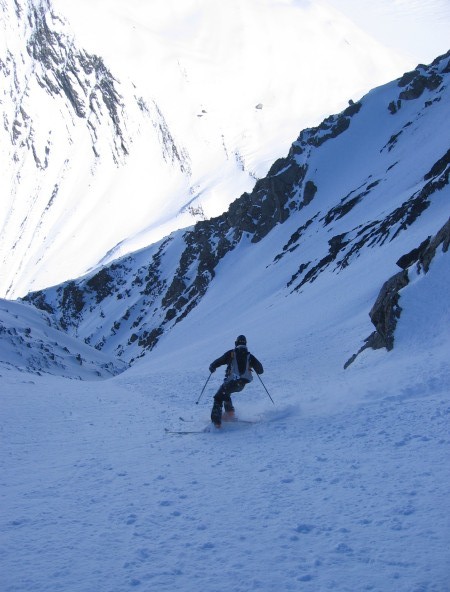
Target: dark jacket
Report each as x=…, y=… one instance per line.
x=241, y=354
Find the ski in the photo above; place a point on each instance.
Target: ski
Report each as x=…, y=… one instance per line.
x=224, y=420
x=184, y=432
x=208, y=428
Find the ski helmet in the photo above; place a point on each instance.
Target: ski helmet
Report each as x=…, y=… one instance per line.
x=241, y=340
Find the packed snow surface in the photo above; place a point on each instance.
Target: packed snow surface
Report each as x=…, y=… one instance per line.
x=342, y=485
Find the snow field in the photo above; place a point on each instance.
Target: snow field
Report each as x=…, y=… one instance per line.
x=96, y=496
x=343, y=485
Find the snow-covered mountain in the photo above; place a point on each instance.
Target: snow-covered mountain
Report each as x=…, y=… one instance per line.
x=104, y=155
x=69, y=125
x=31, y=343
x=342, y=483
x=358, y=192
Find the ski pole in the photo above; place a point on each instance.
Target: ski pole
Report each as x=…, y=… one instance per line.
x=265, y=387
x=203, y=389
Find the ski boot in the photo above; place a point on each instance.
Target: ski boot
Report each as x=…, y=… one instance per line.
x=229, y=411
x=216, y=415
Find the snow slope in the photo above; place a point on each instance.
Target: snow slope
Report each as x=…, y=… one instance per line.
x=31, y=342
x=342, y=485
x=416, y=28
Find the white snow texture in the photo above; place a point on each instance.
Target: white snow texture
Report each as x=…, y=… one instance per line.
x=343, y=484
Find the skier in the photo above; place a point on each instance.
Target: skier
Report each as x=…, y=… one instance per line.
x=240, y=363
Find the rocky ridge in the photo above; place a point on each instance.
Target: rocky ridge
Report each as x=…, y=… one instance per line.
x=63, y=72
x=159, y=286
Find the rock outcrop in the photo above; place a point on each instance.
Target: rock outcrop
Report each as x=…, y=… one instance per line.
x=386, y=311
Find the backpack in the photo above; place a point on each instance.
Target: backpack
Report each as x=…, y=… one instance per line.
x=240, y=365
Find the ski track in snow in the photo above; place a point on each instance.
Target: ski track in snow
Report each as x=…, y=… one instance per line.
x=96, y=497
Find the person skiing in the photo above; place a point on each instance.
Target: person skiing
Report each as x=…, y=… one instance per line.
x=240, y=363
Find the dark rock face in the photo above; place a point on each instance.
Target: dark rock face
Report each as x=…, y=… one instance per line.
x=428, y=249
x=81, y=77
x=416, y=82
x=408, y=259
x=387, y=310
x=332, y=126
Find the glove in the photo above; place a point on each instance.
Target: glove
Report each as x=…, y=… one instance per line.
x=212, y=368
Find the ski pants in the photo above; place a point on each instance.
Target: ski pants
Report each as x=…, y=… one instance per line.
x=223, y=395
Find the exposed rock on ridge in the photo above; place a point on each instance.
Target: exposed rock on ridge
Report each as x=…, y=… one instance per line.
x=63, y=70
x=386, y=311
